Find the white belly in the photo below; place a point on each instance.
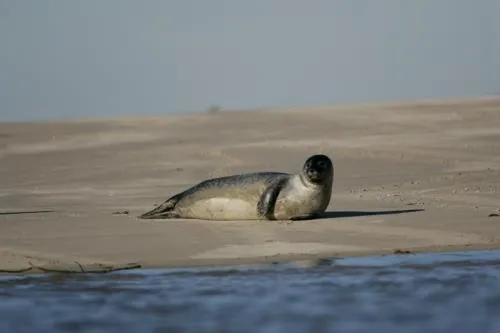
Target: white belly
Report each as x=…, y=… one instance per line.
x=222, y=209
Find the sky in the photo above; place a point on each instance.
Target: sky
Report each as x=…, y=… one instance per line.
x=77, y=59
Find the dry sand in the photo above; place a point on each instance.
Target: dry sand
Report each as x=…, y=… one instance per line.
x=420, y=177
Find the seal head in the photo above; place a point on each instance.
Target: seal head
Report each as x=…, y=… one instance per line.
x=318, y=169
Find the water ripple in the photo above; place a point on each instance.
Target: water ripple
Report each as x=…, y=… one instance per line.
x=457, y=292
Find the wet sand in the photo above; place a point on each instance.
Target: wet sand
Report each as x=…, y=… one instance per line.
x=417, y=176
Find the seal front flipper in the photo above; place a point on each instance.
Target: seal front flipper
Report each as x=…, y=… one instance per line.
x=267, y=201
x=163, y=211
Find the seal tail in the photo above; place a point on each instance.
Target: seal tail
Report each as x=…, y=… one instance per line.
x=163, y=211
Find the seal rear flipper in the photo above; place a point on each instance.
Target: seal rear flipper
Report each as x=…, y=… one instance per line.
x=163, y=211
x=267, y=201
x=159, y=215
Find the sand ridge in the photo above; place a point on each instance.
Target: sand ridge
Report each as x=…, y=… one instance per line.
x=421, y=176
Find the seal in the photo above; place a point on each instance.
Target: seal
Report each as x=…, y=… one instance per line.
x=255, y=196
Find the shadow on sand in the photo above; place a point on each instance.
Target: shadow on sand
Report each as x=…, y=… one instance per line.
x=27, y=212
x=358, y=213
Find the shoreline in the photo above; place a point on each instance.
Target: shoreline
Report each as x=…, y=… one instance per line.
x=301, y=260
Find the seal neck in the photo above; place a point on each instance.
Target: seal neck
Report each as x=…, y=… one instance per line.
x=307, y=182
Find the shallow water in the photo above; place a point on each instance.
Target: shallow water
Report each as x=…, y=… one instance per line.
x=453, y=292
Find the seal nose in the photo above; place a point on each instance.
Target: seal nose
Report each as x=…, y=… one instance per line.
x=314, y=174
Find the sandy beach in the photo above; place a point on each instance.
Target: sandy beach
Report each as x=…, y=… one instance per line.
x=408, y=177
